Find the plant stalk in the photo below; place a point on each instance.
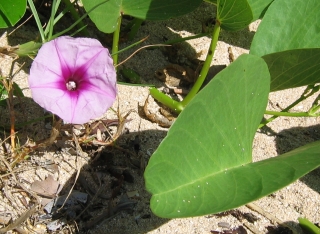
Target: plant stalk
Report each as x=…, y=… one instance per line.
x=37, y=19
x=308, y=226
x=179, y=106
x=281, y=113
x=204, y=71
x=130, y=46
x=309, y=91
x=76, y=16
x=135, y=27
x=76, y=23
x=115, y=42
x=166, y=100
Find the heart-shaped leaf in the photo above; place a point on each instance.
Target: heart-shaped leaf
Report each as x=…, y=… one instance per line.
x=105, y=16
x=11, y=11
x=288, y=25
x=293, y=68
x=211, y=138
x=234, y=14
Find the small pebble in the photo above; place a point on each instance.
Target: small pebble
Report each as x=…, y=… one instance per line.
x=224, y=225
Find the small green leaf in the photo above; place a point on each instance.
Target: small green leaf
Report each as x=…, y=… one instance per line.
x=213, y=136
x=11, y=11
x=288, y=25
x=234, y=14
x=105, y=17
x=17, y=90
x=293, y=68
x=3, y=103
x=4, y=93
x=131, y=76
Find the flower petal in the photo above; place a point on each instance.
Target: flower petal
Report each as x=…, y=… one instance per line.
x=82, y=60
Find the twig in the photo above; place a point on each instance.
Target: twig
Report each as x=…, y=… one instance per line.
x=122, y=121
x=143, y=47
x=26, y=214
x=79, y=153
x=251, y=227
x=16, y=28
x=272, y=218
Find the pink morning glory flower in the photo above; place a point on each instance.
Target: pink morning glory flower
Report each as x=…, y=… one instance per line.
x=73, y=78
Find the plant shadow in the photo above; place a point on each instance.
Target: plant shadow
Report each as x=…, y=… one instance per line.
x=111, y=180
x=290, y=139
x=283, y=228
x=119, y=203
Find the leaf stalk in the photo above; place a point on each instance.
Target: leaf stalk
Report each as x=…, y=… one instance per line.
x=204, y=71
x=309, y=91
x=115, y=42
x=179, y=106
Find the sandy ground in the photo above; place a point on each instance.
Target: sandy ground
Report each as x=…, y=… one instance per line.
x=300, y=199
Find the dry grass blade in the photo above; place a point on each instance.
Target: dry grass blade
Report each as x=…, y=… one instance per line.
x=79, y=153
x=272, y=218
x=143, y=47
x=23, y=217
x=122, y=121
x=39, y=144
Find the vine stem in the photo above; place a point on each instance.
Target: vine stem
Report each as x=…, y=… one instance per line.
x=295, y=114
x=179, y=106
x=115, y=42
x=309, y=91
x=174, y=105
x=75, y=16
x=204, y=71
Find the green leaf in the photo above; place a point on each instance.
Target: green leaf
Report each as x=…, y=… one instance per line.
x=211, y=1
x=11, y=11
x=17, y=90
x=288, y=25
x=293, y=68
x=211, y=138
x=105, y=17
x=3, y=94
x=258, y=7
x=234, y=14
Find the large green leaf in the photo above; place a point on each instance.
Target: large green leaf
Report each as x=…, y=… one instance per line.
x=11, y=11
x=234, y=14
x=287, y=25
x=105, y=16
x=258, y=7
x=293, y=68
x=211, y=138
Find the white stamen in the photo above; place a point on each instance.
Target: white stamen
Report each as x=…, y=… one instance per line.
x=71, y=85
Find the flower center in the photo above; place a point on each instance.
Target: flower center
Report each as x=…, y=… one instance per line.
x=71, y=85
